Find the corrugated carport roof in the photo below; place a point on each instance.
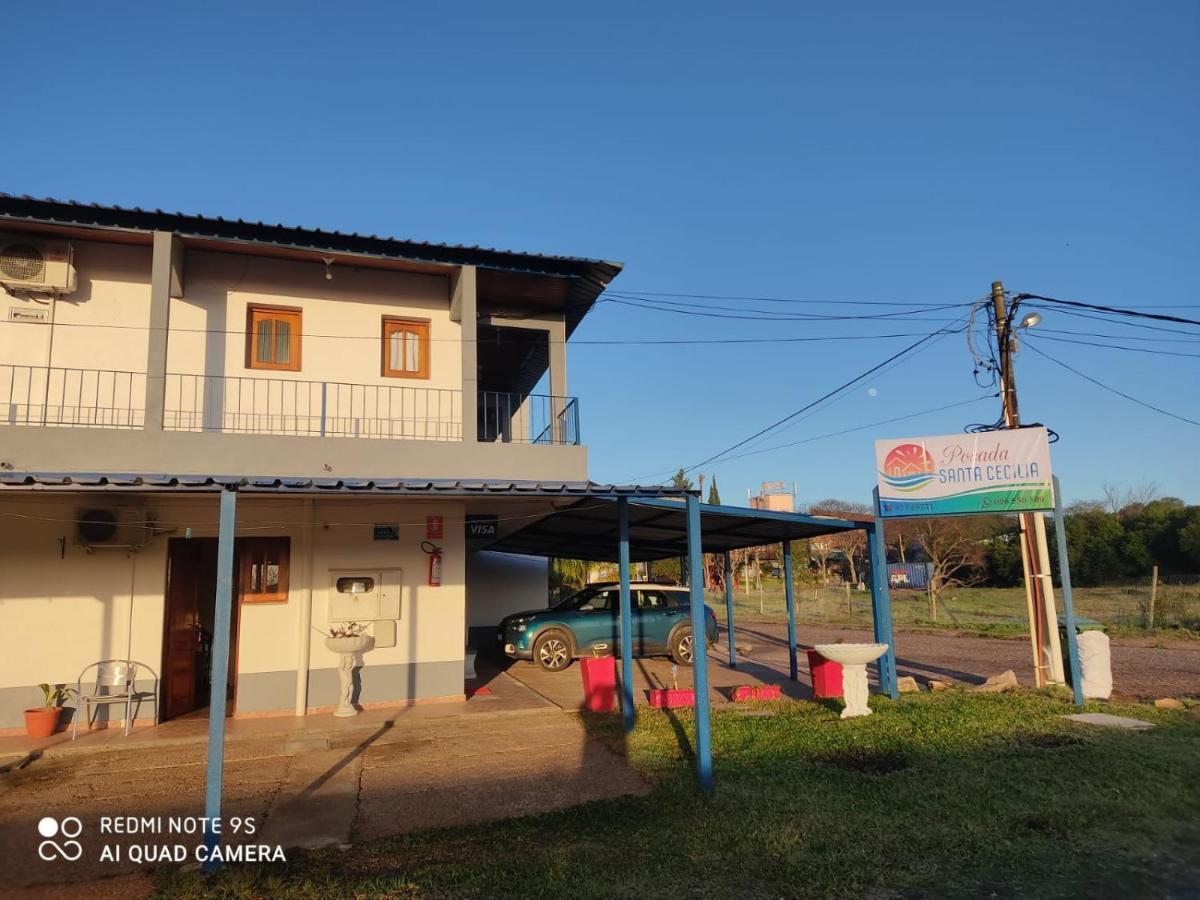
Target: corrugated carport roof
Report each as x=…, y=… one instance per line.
x=450, y=487
x=658, y=530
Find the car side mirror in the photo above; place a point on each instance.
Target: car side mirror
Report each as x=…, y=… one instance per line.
x=587, y=607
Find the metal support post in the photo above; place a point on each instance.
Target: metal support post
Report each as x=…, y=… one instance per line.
x=704, y=773
x=1064, y=572
x=790, y=602
x=729, y=610
x=626, y=613
x=219, y=676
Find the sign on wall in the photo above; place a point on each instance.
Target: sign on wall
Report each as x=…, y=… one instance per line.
x=481, y=527
x=956, y=474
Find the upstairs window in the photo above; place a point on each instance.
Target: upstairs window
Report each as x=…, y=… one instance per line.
x=273, y=338
x=405, y=348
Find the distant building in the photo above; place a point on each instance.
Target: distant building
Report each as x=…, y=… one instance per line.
x=774, y=496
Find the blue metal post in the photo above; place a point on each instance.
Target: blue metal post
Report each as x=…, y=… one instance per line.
x=881, y=602
x=881, y=609
x=1064, y=574
x=626, y=613
x=699, y=647
x=220, y=670
x=324, y=404
x=729, y=609
x=790, y=599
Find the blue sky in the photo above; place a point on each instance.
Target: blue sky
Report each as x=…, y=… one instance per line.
x=876, y=151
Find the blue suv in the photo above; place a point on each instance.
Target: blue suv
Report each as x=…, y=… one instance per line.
x=588, y=622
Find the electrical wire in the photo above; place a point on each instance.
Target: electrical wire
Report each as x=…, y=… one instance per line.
x=762, y=299
x=1156, y=352
x=1108, y=388
x=1116, y=310
x=809, y=440
x=714, y=312
x=837, y=390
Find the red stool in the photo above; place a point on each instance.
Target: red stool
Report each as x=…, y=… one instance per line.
x=826, y=676
x=599, y=683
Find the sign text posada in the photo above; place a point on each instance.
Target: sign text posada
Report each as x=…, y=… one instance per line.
x=956, y=474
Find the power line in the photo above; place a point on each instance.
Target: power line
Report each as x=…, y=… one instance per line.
x=1108, y=320
x=762, y=299
x=512, y=340
x=1153, y=350
x=1113, y=390
x=1122, y=311
x=830, y=434
x=715, y=312
x=823, y=397
x=822, y=406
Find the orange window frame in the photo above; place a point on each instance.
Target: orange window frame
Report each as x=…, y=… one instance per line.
x=256, y=314
x=418, y=327
x=259, y=552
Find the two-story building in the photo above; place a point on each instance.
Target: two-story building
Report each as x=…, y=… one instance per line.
x=376, y=400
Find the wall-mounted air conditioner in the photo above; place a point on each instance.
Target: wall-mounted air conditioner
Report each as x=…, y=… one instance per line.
x=127, y=527
x=33, y=266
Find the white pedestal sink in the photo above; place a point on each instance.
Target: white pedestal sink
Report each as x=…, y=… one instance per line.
x=853, y=659
x=348, y=649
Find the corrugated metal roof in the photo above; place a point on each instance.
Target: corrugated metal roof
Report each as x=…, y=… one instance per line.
x=48, y=210
x=462, y=487
x=658, y=530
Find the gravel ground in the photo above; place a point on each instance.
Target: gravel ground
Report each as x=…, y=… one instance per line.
x=1139, y=669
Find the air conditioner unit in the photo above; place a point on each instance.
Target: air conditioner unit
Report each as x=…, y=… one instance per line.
x=31, y=266
x=126, y=527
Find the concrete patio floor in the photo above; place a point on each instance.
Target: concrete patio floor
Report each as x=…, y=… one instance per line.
x=309, y=781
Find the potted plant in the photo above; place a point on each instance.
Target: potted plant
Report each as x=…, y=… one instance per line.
x=347, y=640
x=43, y=721
x=349, y=637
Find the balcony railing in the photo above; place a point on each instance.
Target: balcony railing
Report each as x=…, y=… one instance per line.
x=528, y=418
x=76, y=398
x=245, y=405
x=233, y=404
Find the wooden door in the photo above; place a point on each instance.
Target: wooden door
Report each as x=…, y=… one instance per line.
x=182, y=630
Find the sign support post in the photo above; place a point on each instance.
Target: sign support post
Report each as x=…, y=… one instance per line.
x=1064, y=572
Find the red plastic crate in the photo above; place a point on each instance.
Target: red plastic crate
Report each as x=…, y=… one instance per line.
x=599, y=683
x=744, y=692
x=672, y=699
x=826, y=676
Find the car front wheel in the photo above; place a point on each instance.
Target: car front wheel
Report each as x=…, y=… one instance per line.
x=552, y=651
x=683, y=646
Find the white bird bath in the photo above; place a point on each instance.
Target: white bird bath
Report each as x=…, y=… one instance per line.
x=348, y=649
x=853, y=659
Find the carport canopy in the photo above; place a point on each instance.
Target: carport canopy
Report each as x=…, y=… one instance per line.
x=588, y=529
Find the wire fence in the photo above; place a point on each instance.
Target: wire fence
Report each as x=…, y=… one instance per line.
x=1171, y=604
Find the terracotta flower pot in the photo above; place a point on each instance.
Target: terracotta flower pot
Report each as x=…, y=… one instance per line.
x=42, y=722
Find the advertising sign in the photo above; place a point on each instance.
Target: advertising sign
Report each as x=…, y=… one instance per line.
x=481, y=527
x=956, y=474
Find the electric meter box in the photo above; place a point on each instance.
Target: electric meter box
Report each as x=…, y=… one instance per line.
x=364, y=595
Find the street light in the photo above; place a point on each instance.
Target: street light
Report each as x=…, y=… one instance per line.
x=1030, y=320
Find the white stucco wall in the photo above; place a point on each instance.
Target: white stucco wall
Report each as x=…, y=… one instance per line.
x=62, y=608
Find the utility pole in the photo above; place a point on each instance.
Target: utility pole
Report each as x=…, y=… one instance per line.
x=1035, y=552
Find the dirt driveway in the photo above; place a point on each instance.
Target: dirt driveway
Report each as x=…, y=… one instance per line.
x=1139, y=670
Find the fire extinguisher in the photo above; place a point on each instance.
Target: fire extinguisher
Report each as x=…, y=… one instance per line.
x=435, y=563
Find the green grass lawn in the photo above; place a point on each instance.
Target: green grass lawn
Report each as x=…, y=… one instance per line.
x=994, y=611
x=948, y=794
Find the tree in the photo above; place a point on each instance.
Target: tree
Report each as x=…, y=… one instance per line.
x=852, y=543
x=1120, y=499
x=954, y=549
x=714, y=496
x=680, y=480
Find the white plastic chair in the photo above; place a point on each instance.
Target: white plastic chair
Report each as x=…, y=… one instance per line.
x=116, y=682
